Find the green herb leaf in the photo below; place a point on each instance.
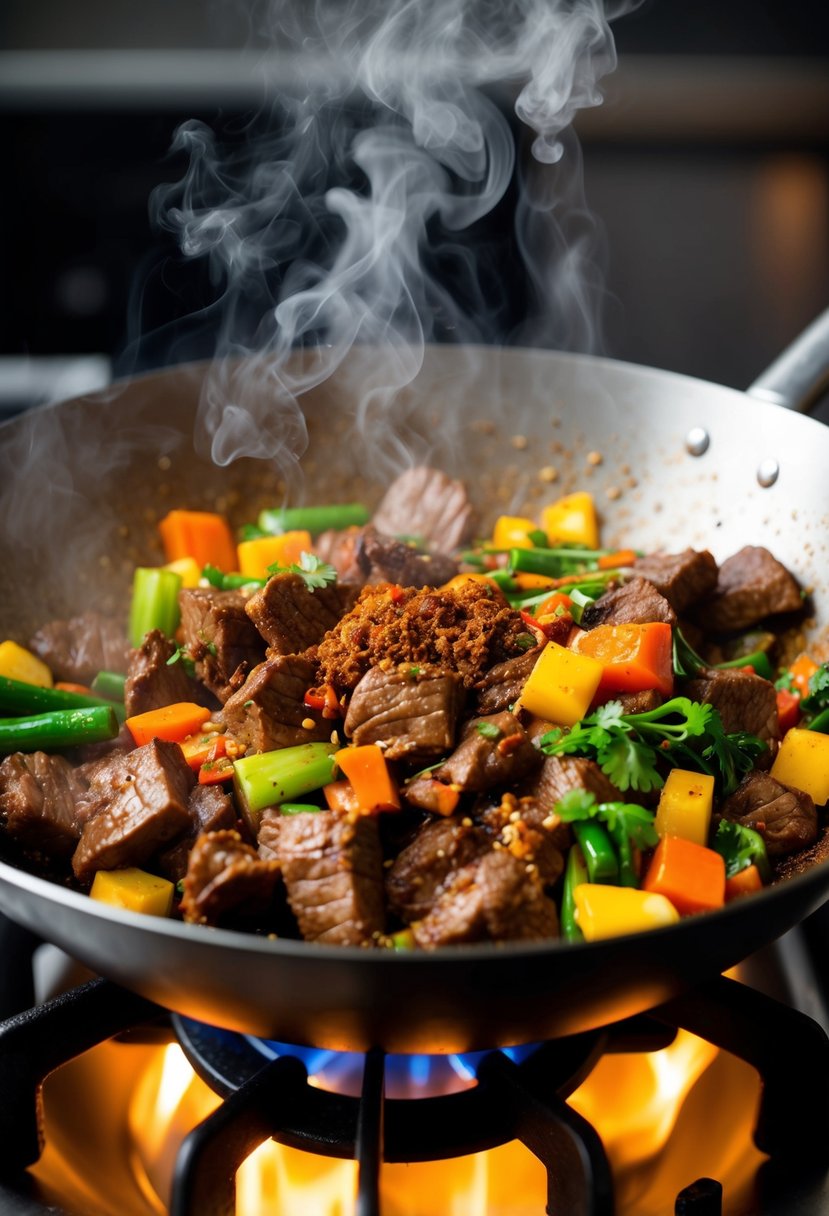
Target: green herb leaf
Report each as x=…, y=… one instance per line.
x=214, y=576
x=313, y=571
x=629, y=818
x=489, y=730
x=741, y=847
x=818, y=698
x=785, y=682
x=180, y=655
x=525, y=641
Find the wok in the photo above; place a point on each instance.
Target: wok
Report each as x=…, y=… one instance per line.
x=84, y=480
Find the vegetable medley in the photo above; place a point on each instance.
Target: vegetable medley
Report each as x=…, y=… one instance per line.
x=383, y=730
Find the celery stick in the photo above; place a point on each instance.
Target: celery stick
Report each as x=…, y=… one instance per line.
x=270, y=778
x=154, y=603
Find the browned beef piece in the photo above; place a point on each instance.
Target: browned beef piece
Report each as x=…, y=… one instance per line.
x=635, y=603
x=268, y=710
x=270, y=822
x=794, y=864
x=220, y=637
x=425, y=793
x=530, y=832
x=421, y=870
x=493, y=751
x=743, y=700
x=291, y=616
x=38, y=799
x=383, y=559
x=152, y=681
x=227, y=883
x=333, y=871
x=636, y=702
x=143, y=806
x=411, y=710
x=492, y=899
x=77, y=649
x=682, y=578
x=425, y=503
x=503, y=683
x=786, y=818
x=560, y=774
x=339, y=549
x=211, y=810
x=751, y=585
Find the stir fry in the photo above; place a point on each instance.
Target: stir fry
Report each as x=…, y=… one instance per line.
x=381, y=729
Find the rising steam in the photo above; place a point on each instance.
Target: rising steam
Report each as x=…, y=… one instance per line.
x=345, y=230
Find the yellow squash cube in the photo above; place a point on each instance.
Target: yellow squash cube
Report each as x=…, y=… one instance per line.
x=803, y=761
x=572, y=521
x=512, y=532
x=135, y=890
x=256, y=555
x=685, y=806
x=604, y=911
x=17, y=663
x=561, y=685
x=188, y=570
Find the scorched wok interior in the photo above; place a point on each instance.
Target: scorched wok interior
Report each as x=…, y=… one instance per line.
x=377, y=730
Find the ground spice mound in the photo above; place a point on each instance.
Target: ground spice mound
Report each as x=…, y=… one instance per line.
x=467, y=630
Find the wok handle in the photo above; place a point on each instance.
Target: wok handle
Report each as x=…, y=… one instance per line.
x=798, y=376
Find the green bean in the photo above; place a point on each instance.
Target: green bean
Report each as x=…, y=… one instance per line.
x=61, y=728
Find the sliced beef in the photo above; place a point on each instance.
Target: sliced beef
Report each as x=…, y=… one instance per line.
x=38, y=802
x=635, y=603
x=751, y=586
x=786, y=818
x=77, y=649
x=493, y=899
x=268, y=711
x=411, y=711
x=142, y=806
x=744, y=701
x=682, y=578
x=339, y=549
x=560, y=774
x=466, y=629
x=292, y=617
x=220, y=637
x=227, y=883
x=422, y=869
x=211, y=810
x=153, y=681
x=270, y=822
x=425, y=503
x=502, y=685
x=494, y=751
x=383, y=559
x=333, y=871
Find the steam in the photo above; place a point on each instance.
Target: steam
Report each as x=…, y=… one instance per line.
x=352, y=228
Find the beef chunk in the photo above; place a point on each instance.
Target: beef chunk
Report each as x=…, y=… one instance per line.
x=502, y=685
x=291, y=617
x=427, y=794
x=226, y=882
x=211, y=810
x=268, y=710
x=339, y=549
x=494, y=751
x=743, y=700
x=425, y=503
x=794, y=864
x=38, y=797
x=333, y=871
x=639, y=702
x=751, y=585
x=466, y=630
x=152, y=681
x=220, y=637
x=412, y=711
x=560, y=774
x=531, y=833
x=786, y=818
x=77, y=649
x=492, y=899
x=383, y=559
x=635, y=603
x=682, y=578
x=421, y=870
x=143, y=804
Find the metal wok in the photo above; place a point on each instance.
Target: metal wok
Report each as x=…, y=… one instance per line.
x=83, y=482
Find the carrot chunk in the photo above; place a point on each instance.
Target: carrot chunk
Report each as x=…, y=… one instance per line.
x=173, y=723
x=340, y=796
x=745, y=883
x=634, y=658
x=689, y=875
x=367, y=770
x=202, y=535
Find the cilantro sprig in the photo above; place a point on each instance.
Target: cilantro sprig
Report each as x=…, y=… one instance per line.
x=628, y=747
x=182, y=655
x=313, y=571
x=627, y=823
x=818, y=698
x=741, y=847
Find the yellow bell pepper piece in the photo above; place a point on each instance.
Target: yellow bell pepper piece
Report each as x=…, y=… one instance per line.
x=188, y=570
x=17, y=663
x=561, y=685
x=572, y=520
x=511, y=532
x=803, y=761
x=685, y=806
x=604, y=911
x=256, y=555
x=135, y=890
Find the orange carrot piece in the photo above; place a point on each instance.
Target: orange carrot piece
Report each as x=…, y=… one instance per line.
x=202, y=535
x=217, y=770
x=204, y=746
x=173, y=722
x=689, y=875
x=532, y=582
x=635, y=657
x=340, y=796
x=366, y=769
x=622, y=557
x=69, y=686
x=745, y=883
x=553, y=602
x=802, y=669
x=446, y=797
